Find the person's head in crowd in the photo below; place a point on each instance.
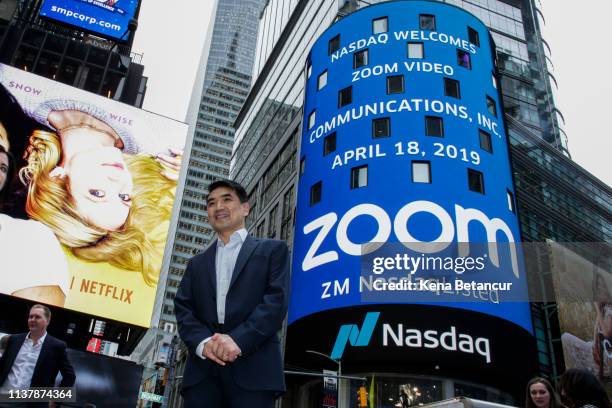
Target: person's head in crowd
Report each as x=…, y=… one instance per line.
x=579, y=388
x=99, y=202
x=541, y=394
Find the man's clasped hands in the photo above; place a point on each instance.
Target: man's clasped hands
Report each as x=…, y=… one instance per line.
x=221, y=349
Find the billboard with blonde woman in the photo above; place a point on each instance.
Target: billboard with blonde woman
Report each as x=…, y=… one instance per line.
x=87, y=187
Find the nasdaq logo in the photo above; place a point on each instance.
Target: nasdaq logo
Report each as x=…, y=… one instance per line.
x=351, y=334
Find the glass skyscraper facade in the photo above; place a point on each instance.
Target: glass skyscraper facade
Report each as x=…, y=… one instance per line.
x=557, y=201
x=227, y=81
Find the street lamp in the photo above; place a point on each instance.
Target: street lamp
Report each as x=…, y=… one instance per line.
x=339, y=362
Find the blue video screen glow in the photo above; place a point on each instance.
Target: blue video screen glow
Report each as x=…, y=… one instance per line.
x=403, y=141
x=108, y=18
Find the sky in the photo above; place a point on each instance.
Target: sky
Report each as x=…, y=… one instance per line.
x=577, y=32
x=171, y=38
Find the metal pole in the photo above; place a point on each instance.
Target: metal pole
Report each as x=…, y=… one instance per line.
x=170, y=379
x=340, y=388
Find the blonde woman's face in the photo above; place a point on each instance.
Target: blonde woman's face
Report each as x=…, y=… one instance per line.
x=101, y=186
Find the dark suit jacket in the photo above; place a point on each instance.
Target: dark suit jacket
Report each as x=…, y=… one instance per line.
x=52, y=359
x=256, y=305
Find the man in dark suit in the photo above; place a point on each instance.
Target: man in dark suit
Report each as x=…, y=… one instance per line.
x=230, y=305
x=33, y=359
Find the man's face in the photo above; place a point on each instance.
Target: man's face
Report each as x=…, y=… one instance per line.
x=37, y=320
x=226, y=213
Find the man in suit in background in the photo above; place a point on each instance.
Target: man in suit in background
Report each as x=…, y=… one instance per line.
x=33, y=359
x=230, y=305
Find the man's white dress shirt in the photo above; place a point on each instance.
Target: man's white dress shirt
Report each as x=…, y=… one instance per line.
x=225, y=262
x=22, y=370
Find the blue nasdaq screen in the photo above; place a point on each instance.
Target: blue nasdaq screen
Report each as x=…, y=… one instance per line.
x=403, y=145
x=108, y=18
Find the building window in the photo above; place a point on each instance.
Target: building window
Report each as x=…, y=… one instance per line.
x=434, y=126
x=329, y=144
x=272, y=222
x=345, y=96
x=334, y=45
x=427, y=22
x=259, y=232
x=510, y=197
x=473, y=36
x=315, y=193
x=359, y=176
x=452, y=88
x=381, y=128
x=312, y=118
x=395, y=84
x=360, y=59
x=322, y=80
x=464, y=59
x=421, y=172
x=491, y=106
x=416, y=50
x=380, y=25
x=475, y=181
x=287, y=215
x=485, y=141
x=302, y=166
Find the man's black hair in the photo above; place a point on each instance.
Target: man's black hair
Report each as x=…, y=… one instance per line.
x=232, y=185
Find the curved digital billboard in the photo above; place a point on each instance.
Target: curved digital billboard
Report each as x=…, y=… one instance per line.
x=403, y=146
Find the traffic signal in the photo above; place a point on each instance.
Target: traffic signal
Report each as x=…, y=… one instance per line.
x=362, y=397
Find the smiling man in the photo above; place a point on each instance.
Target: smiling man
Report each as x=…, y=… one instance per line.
x=230, y=305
